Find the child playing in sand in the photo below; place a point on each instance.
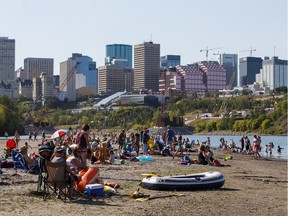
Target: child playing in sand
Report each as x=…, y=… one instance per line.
x=112, y=157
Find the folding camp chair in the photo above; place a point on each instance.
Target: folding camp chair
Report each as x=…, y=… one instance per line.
x=20, y=163
x=44, y=154
x=57, y=180
x=41, y=174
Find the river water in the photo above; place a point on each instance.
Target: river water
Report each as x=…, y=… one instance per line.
x=282, y=141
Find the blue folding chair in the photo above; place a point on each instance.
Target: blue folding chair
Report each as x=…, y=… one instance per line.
x=20, y=163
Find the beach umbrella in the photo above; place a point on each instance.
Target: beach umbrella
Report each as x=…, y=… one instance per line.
x=59, y=133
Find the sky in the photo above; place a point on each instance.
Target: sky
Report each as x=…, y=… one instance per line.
x=57, y=28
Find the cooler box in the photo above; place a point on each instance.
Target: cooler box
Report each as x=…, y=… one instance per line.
x=95, y=189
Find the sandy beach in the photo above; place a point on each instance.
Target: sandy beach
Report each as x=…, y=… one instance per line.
x=252, y=187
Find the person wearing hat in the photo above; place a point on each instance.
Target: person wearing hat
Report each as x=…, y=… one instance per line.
x=58, y=155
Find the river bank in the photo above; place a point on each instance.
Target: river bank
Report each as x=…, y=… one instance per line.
x=252, y=187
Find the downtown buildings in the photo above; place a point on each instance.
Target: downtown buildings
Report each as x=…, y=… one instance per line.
x=273, y=73
x=147, y=66
x=151, y=73
x=248, y=68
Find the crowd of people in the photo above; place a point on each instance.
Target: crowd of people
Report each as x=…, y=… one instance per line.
x=83, y=148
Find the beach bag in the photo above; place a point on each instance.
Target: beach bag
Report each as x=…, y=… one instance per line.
x=183, y=162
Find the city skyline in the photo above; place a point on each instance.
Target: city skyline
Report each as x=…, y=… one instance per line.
x=63, y=28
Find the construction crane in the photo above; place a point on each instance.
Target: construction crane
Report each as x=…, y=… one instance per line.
x=251, y=50
x=33, y=105
x=207, y=51
x=64, y=82
x=219, y=56
x=231, y=80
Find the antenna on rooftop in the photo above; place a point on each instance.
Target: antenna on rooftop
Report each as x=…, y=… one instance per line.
x=150, y=37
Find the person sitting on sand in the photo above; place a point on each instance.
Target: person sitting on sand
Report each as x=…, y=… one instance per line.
x=112, y=157
x=24, y=151
x=202, y=158
x=209, y=154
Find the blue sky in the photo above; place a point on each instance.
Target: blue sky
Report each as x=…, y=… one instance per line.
x=58, y=28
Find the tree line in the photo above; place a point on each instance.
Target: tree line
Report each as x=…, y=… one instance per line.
x=265, y=114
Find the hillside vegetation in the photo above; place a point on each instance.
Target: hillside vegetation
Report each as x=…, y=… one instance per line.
x=265, y=115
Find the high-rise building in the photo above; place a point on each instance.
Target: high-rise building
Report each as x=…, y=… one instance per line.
x=201, y=76
x=230, y=63
x=147, y=66
x=47, y=87
x=67, y=80
x=114, y=78
x=33, y=67
x=7, y=59
x=248, y=68
x=119, y=52
x=170, y=61
x=273, y=73
x=86, y=72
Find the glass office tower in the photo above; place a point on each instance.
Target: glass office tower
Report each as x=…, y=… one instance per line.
x=170, y=61
x=119, y=51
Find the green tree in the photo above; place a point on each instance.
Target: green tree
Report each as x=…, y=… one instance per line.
x=266, y=124
x=84, y=120
x=211, y=126
x=3, y=117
